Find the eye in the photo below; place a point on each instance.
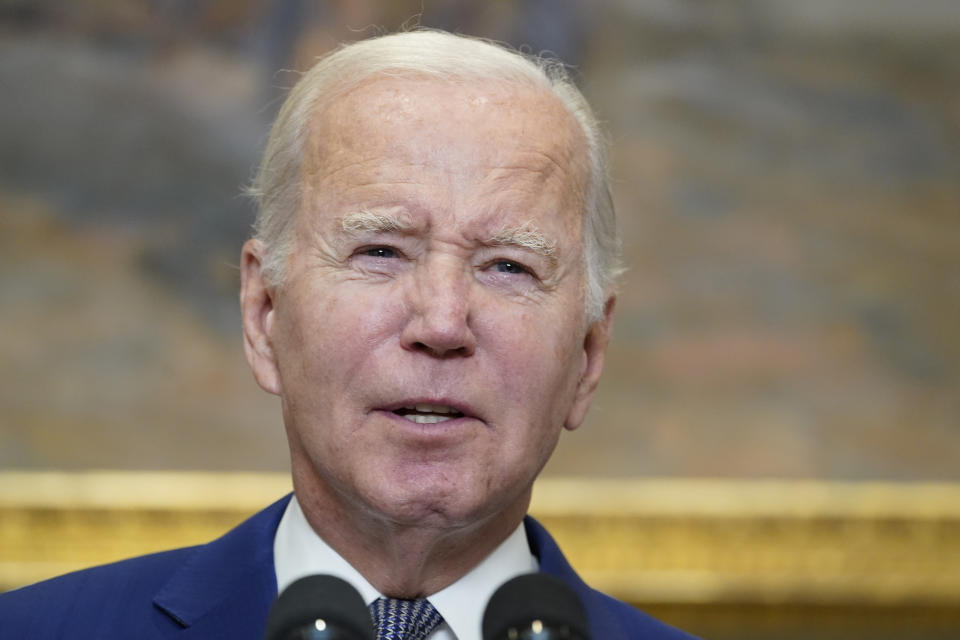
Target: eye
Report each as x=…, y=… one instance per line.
x=510, y=277
x=379, y=259
x=509, y=266
x=379, y=252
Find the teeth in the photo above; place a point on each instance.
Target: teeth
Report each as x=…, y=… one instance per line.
x=428, y=413
x=426, y=419
x=430, y=408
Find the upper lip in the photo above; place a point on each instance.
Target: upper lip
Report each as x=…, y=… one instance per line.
x=455, y=405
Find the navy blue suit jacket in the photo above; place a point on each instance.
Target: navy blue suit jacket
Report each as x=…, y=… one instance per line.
x=224, y=589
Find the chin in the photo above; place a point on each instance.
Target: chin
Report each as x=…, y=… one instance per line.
x=424, y=512
x=446, y=503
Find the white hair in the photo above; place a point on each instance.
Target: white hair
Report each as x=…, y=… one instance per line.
x=277, y=186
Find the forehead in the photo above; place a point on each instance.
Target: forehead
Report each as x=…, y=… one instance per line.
x=488, y=128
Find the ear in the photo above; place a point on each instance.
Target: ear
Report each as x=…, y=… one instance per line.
x=256, y=307
x=594, y=352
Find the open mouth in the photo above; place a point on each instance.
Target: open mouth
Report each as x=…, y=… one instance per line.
x=428, y=413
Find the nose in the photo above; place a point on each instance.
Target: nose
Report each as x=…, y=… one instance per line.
x=440, y=311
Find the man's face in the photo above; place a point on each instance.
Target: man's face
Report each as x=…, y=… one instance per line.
x=430, y=339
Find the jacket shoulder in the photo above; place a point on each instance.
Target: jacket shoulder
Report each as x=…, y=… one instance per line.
x=633, y=622
x=608, y=617
x=92, y=603
x=220, y=590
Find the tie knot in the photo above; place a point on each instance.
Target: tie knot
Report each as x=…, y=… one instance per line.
x=404, y=619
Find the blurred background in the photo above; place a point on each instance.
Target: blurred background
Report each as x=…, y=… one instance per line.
x=787, y=179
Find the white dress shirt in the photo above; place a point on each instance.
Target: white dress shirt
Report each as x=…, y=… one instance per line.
x=298, y=552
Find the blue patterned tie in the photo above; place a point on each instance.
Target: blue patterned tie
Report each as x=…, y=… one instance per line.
x=404, y=619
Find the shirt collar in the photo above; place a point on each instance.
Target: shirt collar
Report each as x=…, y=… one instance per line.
x=462, y=603
x=299, y=552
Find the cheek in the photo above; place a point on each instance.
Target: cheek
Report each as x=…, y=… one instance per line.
x=331, y=332
x=537, y=362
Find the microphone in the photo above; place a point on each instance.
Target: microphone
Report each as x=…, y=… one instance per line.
x=535, y=606
x=319, y=607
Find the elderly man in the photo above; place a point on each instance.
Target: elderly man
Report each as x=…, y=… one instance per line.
x=429, y=292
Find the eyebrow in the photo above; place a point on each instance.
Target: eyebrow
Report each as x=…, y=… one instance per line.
x=367, y=221
x=527, y=237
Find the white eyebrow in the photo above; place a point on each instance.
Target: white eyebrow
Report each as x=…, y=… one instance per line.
x=526, y=237
x=364, y=220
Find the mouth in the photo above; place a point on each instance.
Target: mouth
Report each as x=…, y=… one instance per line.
x=428, y=413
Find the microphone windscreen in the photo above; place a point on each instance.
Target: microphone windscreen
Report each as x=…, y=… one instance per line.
x=531, y=597
x=334, y=602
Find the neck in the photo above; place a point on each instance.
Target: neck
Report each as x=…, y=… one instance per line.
x=403, y=560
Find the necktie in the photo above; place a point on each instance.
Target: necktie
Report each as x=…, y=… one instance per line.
x=404, y=619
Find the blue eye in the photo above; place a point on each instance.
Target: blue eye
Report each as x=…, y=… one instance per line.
x=380, y=252
x=507, y=266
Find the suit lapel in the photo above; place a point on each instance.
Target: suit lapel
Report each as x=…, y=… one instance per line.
x=602, y=623
x=225, y=588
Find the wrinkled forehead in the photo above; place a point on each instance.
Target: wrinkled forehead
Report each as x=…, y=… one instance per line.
x=499, y=122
